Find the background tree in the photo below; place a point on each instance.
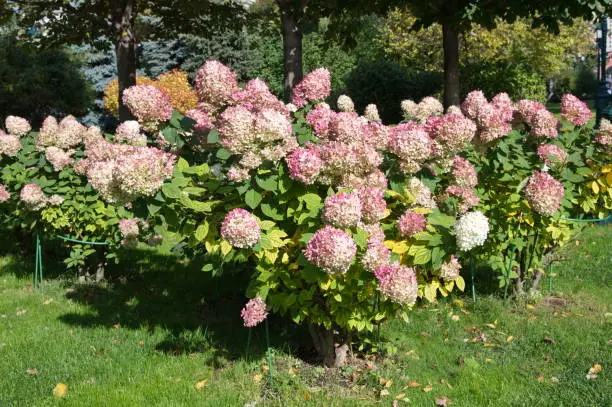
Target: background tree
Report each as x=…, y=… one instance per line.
x=104, y=22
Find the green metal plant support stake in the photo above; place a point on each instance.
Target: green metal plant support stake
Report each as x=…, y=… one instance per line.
x=550, y=278
x=378, y=322
x=269, y=354
x=473, y=285
x=38, y=267
x=248, y=346
x=508, y=270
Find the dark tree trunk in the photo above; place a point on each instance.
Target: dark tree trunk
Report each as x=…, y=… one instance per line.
x=124, y=19
x=450, y=42
x=333, y=355
x=292, y=48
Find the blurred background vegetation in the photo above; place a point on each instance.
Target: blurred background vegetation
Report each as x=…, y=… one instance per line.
x=385, y=63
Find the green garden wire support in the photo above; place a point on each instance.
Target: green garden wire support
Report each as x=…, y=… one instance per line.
x=38, y=267
x=248, y=346
x=378, y=323
x=588, y=220
x=269, y=354
x=550, y=278
x=38, y=264
x=473, y=285
x=508, y=270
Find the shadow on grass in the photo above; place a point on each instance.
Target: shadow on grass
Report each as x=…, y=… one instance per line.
x=201, y=313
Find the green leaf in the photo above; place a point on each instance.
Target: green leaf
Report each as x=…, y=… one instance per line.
x=252, y=198
x=460, y=282
x=271, y=211
x=213, y=136
x=172, y=191
x=268, y=183
x=313, y=201
x=422, y=255
x=201, y=232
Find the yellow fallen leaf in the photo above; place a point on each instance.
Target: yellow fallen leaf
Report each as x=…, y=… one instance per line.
x=427, y=388
x=47, y=302
x=554, y=379
x=400, y=396
x=596, y=369
x=306, y=396
x=413, y=383
x=489, y=345
x=292, y=371
x=257, y=378
x=60, y=390
x=459, y=303
x=530, y=307
x=384, y=392
x=540, y=379
x=200, y=385
x=455, y=317
x=490, y=326
x=510, y=338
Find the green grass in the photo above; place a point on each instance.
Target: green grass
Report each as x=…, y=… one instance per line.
x=149, y=341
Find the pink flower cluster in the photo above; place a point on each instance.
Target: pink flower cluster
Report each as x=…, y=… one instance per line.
x=604, y=134
x=316, y=86
x=398, y=283
x=541, y=122
x=65, y=134
x=429, y=106
x=4, y=193
x=373, y=204
x=129, y=132
x=129, y=229
x=575, y=110
x=256, y=96
x=59, y=158
x=304, y=164
x=342, y=210
x=331, y=249
x=552, y=154
x=241, y=229
x=412, y=144
x=544, y=193
x=121, y=173
x=464, y=172
x=376, y=253
x=254, y=312
x=492, y=118
x=204, y=121
x=17, y=126
x=149, y=105
x=411, y=223
x=454, y=132
x=449, y=270
x=215, y=84
x=466, y=196
x=10, y=145
x=420, y=192
x=33, y=197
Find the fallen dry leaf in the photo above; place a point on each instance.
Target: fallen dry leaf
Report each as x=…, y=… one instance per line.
x=32, y=372
x=385, y=382
x=47, y=302
x=554, y=380
x=549, y=340
x=530, y=307
x=427, y=388
x=510, y=338
x=400, y=396
x=306, y=396
x=117, y=326
x=384, y=392
x=455, y=317
x=460, y=361
x=60, y=390
x=489, y=345
x=292, y=371
x=257, y=378
x=200, y=385
x=447, y=384
x=491, y=326
x=413, y=383
x=541, y=379
x=21, y=312
x=596, y=369
x=464, y=312
x=443, y=401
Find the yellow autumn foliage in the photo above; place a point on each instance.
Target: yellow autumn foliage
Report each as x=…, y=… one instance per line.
x=174, y=83
x=548, y=54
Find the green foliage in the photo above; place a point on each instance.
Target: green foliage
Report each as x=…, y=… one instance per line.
x=35, y=83
x=516, y=80
x=386, y=84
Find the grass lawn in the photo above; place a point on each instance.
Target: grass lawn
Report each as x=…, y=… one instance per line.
x=169, y=336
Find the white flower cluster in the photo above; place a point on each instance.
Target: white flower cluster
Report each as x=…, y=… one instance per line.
x=471, y=230
x=345, y=104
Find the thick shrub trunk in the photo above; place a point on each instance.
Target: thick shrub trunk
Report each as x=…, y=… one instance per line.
x=332, y=355
x=124, y=18
x=292, y=50
x=450, y=42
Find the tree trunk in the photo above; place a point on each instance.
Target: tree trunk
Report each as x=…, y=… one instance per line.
x=333, y=356
x=450, y=42
x=292, y=50
x=124, y=19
